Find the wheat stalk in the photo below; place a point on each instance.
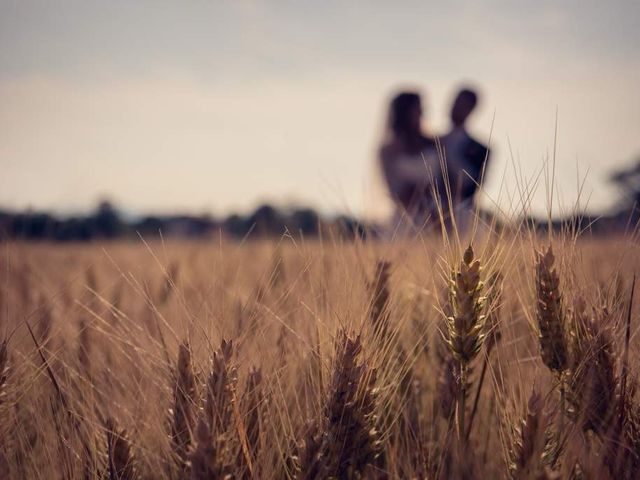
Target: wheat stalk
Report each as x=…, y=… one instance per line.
x=592, y=380
x=550, y=314
x=4, y=375
x=184, y=401
x=4, y=369
x=346, y=444
x=119, y=453
x=220, y=416
x=465, y=327
x=209, y=457
x=379, y=309
x=530, y=451
x=254, y=404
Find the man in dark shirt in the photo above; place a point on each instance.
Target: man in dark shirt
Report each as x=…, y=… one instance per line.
x=465, y=157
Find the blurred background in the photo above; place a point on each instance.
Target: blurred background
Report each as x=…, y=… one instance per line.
x=215, y=108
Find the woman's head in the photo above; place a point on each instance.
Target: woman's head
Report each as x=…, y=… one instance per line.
x=405, y=115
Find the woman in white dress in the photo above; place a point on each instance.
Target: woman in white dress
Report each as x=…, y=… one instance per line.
x=410, y=166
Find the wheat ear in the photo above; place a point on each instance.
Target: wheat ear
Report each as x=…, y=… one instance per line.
x=184, y=401
x=465, y=327
x=533, y=451
x=119, y=453
x=346, y=442
x=550, y=314
x=215, y=452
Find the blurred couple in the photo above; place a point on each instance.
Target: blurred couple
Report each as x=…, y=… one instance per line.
x=431, y=180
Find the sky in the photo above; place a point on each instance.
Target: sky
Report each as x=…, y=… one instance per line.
x=208, y=106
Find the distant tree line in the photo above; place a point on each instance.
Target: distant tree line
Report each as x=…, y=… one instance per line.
x=106, y=223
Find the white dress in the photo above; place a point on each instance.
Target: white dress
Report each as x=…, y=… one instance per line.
x=405, y=172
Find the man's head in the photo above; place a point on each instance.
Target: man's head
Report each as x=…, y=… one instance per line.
x=463, y=105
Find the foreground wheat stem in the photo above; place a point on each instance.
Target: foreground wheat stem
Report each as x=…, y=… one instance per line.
x=184, y=399
x=551, y=322
x=4, y=368
x=476, y=400
x=465, y=325
x=625, y=356
x=493, y=335
x=119, y=453
x=530, y=455
x=213, y=453
x=345, y=442
x=461, y=401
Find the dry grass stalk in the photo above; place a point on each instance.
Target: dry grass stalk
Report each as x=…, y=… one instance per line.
x=493, y=333
x=4, y=370
x=5, y=469
x=91, y=278
x=379, y=309
x=4, y=375
x=169, y=283
x=44, y=324
x=420, y=315
x=84, y=346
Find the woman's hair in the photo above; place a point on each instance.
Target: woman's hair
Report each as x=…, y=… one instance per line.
x=403, y=122
x=400, y=113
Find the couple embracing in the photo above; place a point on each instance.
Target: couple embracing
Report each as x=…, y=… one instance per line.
x=432, y=181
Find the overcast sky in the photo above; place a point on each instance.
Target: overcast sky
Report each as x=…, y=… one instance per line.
x=216, y=106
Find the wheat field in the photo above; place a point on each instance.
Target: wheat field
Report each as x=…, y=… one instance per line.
x=316, y=359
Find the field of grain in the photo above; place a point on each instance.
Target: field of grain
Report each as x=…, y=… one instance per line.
x=320, y=359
